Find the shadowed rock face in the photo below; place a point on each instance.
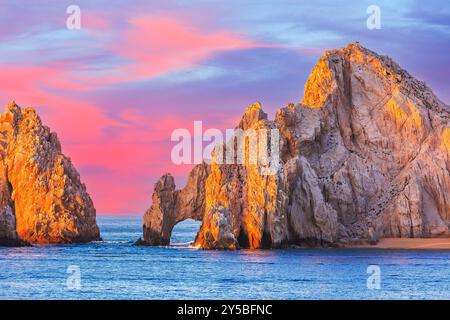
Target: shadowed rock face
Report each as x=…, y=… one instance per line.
x=365, y=156
x=42, y=199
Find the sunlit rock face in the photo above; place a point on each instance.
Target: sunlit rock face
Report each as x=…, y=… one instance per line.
x=364, y=156
x=42, y=199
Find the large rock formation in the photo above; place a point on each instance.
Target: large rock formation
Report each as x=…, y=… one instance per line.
x=364, y=156
x=42, y=199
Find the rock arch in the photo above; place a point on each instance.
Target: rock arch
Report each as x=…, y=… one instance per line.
x=171, y=206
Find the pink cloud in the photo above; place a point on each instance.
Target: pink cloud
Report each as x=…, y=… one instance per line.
x=124, y=173
x=119, y=194
x=97, y=20
x=155, y=45
x=72, y=118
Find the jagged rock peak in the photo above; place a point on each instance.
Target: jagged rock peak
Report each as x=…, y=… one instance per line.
x=356, y=58
x=42, y=197
x=252, y=115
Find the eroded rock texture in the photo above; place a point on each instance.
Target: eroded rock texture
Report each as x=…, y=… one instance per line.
x=42, y=199
x=364, y=156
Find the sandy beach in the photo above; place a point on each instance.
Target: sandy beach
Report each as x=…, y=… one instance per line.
x=408, y=243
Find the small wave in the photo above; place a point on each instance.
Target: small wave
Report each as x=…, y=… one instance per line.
x=183, y=245
x=112, y=242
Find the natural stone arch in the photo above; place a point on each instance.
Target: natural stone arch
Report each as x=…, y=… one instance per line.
x=171, y=206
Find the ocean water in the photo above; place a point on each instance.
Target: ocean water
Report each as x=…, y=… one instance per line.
x=115, y=269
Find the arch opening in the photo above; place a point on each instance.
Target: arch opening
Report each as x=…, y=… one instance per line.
x=184, y=232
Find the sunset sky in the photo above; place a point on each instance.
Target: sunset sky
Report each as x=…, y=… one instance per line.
x=136, y=70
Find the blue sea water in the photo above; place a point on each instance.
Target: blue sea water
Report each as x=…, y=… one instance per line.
x=115, y=269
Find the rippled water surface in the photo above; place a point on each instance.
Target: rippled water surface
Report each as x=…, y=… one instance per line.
x=115, y=269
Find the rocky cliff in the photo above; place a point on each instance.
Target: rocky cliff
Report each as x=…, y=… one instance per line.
x=42, y=199
x=364, y=156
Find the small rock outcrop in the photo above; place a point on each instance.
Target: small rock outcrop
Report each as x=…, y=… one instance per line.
x=364, y=156
x=42, y=199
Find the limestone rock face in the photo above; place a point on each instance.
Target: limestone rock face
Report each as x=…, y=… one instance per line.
x=364, y=156
x=42, y=199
